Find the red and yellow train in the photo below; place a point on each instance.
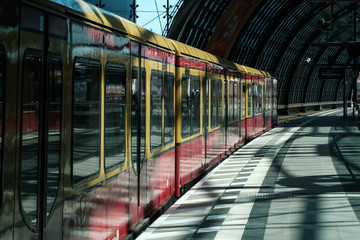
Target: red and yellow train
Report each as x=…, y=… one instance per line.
x=104, y=124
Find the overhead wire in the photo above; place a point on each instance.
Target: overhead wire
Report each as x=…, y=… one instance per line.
x=158, y=15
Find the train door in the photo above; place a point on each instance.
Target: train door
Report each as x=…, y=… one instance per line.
x=40, y=124
x=138, y=123
x=249, y=84
x=243, y=108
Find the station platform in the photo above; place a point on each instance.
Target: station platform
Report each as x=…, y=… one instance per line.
x=300, y=180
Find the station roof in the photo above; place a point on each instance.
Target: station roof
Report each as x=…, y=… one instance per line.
x=290, y=39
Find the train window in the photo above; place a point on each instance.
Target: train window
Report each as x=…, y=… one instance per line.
x=185, y=106
x=214, y=102
x=86, y=118
x=30, y=129
x=236, y=101
x=231, y=101
x=54, y=130
x=169, y=107
x=268, y=95
x=115, y=114
x=260, y=96
x=138, y=101
x=243, y=99
x=249, y=98
x=190, y=105
x=195, y=96
x=220, y=99
x=30, y=139
x=256, y=97
x=156, y=88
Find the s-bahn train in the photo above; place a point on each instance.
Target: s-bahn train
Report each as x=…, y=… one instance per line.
x=105, y=124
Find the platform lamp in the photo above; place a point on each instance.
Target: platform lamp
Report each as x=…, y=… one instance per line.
x=100, y=5
x=133, y=11
x=167, y=16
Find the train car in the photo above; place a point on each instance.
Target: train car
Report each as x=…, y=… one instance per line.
x=202, y=120
x=104, y=124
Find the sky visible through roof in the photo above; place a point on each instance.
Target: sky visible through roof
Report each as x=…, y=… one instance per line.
x=151, y=14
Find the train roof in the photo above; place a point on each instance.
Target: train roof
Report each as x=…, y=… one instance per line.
x=107, y=20
x=194, y=52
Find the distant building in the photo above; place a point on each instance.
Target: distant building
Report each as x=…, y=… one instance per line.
x=121, y=7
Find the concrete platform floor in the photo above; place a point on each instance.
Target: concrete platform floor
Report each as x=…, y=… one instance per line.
x=297, y=181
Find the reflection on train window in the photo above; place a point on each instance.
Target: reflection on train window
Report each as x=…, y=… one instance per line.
x=205, y=104
x=115, y=114
x=169, y=113
x=231, y=101
x=268, y=96
x=243, y=100
x=249, y=98
x=236, y=101
x=138, y=109
x=259, y=99
x=255, y=97
x=216, y=102
x=86, y=118
x=30, y=132
x=156, y=88
x=220, y=100
x=30, y=129
x=190, y=105
x=54, y=130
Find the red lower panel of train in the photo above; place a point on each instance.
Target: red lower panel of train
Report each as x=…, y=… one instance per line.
x=242, y=126
x=259, y=124
x=108, y=211
x=232, y=137
x=193, y=157
x=100, y=213
x=254, y=126
x=268, y=120
x=157, y=182
x=215, y=149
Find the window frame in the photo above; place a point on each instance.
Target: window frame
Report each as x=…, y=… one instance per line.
x=30, y=214
x=169, y=77
x=156, y=146
x=120, y=70
x=193, y=109
x=89, y=62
